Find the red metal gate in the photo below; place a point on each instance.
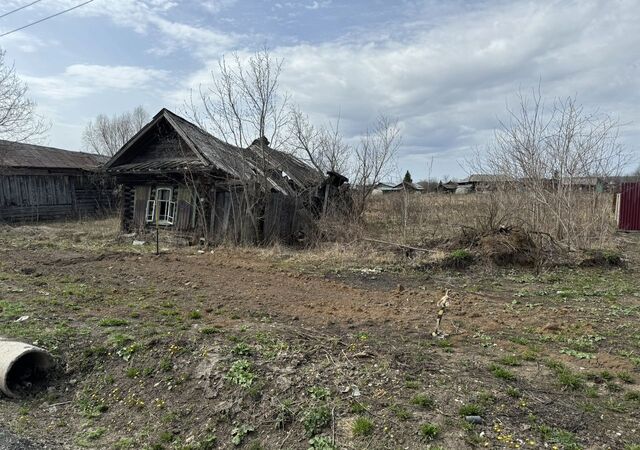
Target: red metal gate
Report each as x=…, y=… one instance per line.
x=629, y=215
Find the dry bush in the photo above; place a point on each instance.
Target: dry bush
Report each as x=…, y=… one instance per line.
x=505, y=227
x=427, y=218
x=333, y=227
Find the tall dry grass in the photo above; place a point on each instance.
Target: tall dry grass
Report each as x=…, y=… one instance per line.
x=587, y=221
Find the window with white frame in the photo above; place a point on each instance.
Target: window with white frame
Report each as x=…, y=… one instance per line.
x=165, y=207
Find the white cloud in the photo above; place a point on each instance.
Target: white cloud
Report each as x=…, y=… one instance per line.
x=198, y=41
x=215, y=6
x=445, y=72
x=448, y=83
x=25, y=42
x=318, y=4
x=155, y=16
x=82, y=80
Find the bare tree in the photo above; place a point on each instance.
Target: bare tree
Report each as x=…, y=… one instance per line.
x=18, y=118
x=243, y=101
x=552, y=153
x=323, y=147
x=106, y=135
x=374, y=158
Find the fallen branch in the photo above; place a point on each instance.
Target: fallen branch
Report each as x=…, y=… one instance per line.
x=395, y=244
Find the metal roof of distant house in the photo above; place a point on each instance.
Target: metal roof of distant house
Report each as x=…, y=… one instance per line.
x=581, y=181
x=256, y=160
x=401, y=186
x=21, y=155
x=486, y=178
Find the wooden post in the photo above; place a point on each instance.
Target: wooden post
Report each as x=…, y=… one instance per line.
x=156, y=209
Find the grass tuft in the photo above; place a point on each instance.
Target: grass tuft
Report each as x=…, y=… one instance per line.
x=429, y=431
x=362, y=427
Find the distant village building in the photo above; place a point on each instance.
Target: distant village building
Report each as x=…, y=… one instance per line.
x=592, y=184
x=43, y=183
x=386, y=188
x=448, y=187
x=483, y=182
x=381, y=188
x=176, y=176
x=406, y=186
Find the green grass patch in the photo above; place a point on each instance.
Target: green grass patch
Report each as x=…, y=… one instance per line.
x=210, y=330
x=429, y=431
x=510, y=360
x=470, y=409
x=626, y=377
x=423, y=401
x=502, y=373
x=319, y=393
x=362, y=426
x=565, y=376
x=112, y=322
x=315, y=420
x=240, y=373
x=401, y=413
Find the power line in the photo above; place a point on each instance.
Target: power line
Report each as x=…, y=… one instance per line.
x=46, y=18
x=18, y=9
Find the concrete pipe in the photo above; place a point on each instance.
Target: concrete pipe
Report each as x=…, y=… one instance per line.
x=23, y=367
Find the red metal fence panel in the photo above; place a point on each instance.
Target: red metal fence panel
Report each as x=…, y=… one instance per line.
x=629, y=207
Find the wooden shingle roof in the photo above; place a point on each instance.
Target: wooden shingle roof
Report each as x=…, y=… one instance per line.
x=258, y=161
x=21, y=155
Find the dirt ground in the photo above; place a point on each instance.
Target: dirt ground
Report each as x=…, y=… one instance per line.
x=289, y=349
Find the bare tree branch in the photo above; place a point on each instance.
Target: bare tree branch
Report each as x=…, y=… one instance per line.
x=322, y=147
x=18, y=118
x=106, y=135
x=375, y=158
x=550, y=151
x=243, y=101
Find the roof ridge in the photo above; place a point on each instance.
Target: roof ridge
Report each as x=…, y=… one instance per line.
x=200, y=129
x=47, y=147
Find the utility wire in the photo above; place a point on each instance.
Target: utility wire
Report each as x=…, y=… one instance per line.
x=18, y=9
x=46, y=18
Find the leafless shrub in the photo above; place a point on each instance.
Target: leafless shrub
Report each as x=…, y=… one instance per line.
x=547, y=156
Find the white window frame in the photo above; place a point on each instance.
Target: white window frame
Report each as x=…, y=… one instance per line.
x=150, y=213
x=169, y=217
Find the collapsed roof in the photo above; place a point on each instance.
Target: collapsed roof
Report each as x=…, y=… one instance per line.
x=205, y=152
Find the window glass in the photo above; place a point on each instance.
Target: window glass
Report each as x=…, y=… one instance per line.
x=161, y=199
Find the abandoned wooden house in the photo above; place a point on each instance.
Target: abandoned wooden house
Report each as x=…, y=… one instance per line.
x=43, y=183
x=176, y=176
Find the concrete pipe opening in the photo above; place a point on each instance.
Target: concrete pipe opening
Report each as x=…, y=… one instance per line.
x=24, y=368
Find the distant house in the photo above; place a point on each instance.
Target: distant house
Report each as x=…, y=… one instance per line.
x=448, y=187
x=176, y=176
x=385, y=188
x=408, y=187
x=483, y=182
x=43, y=183
x=381, y=188
x=592, y=184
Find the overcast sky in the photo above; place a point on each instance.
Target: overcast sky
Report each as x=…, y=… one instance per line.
x=446, y=69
